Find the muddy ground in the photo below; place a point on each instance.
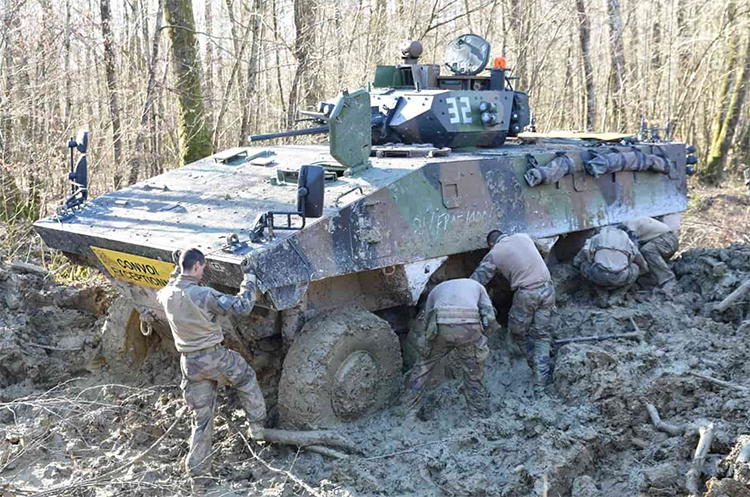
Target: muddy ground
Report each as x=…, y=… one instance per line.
x=71, y=424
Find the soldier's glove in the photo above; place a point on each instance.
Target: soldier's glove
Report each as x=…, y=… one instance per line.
x=249, y=285
x=486, y=314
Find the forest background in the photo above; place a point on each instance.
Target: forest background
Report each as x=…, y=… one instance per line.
x=160, y=83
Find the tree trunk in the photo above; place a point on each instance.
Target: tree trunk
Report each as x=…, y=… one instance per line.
x=277, y=42
x=114, y=110
x=717, y=157
x=584, y=34
x=517, y=16
x=194, y=135
x=252, y=69
x=240, y=45
x=711, y=171
x=208, y=80
x=6, y=110
x=617, y=58
x=304, y=22
x=66, y=69
x=138, y=156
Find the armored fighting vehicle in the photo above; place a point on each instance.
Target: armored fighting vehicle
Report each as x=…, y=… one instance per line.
x=344, y=237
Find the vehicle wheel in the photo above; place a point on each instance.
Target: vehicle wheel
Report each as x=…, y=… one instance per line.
x=342, y=366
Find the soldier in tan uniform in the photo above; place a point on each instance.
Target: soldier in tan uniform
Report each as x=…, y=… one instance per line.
x=455, y=314
x=658, y=242
x=518, y=260
x=193, y=311
x=612, y=262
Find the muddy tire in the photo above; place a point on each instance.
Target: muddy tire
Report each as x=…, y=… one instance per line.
x=341, y=367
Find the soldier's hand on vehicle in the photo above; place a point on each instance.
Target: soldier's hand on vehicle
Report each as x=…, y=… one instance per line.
x=249, y=284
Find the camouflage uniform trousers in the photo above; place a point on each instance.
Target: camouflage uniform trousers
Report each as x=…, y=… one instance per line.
x=607, y=281
x=531, y=318
x=470, y=345
x=603, y=278
x=656, y=251
x=202, y=374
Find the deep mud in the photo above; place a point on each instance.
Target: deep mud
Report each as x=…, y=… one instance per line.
x=70, y=423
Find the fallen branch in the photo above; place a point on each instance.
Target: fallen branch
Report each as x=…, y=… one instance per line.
x=598, y=338
x=721, y=383
x=319, y=449
x=660, y=425
x=56, y=349
x=410, y=449
x=706, y=433
x=641, y=336
x=92, y=481
x=288, y=474
x=26, y=268
x=307, y=438
x=733, y=297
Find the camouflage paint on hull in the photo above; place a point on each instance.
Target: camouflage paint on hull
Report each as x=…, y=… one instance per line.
x=410, y=210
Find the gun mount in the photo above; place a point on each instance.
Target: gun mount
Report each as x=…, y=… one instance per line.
x=414, y=104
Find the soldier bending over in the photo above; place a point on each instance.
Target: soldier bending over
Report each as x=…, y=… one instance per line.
x=193, y=311
x=658, y=242
x=517, y=259
x=611, y=261
x=454, y=317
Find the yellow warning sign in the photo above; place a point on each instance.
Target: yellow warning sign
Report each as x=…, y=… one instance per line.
x=135, y=269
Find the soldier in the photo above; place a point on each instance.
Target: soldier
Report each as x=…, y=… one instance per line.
x=517, y=259
x=454, y=316
x=658, y=242
x=611, y=261
x=193, y=311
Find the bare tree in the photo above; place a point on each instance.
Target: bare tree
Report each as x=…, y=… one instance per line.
x=304, y=22
x=584, y=34
x=618, y=69
x=138, y=159
x=109, y=64
x=717, y=157
x=195, y=137
x=256, y=14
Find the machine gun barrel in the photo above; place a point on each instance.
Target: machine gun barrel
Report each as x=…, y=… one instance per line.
x=296, y=132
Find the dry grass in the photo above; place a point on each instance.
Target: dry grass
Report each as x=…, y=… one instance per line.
x=716, y=217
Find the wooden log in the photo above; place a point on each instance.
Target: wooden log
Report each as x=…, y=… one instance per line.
x=733, y=297
x=307, y=438
x=706, y=433
x=721, y=383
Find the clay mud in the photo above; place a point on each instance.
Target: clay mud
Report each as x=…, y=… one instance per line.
x=74, y=421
